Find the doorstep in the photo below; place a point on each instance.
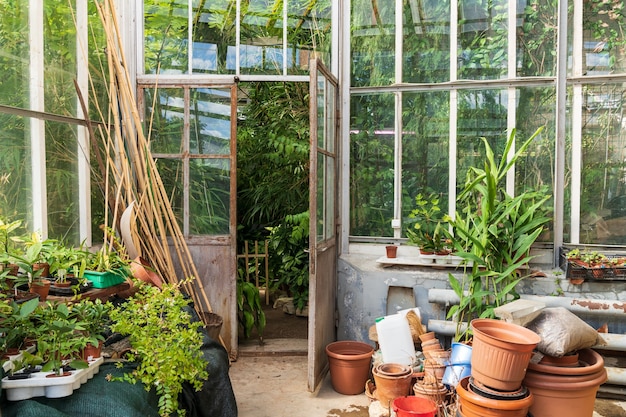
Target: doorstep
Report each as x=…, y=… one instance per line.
x=274, y=347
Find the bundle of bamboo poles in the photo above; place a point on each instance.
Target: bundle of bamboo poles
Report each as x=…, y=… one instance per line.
x=130, y=175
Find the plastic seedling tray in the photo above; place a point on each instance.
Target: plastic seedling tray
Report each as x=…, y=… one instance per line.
x=38, y=385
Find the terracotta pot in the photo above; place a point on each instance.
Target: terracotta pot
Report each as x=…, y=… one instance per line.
x=13, y=269
x=414, y=407
x=392, y=251
x=424, y=337
x=475, y=405
x=44, y=267
x=441, y=357
x=91, y=352
x=390, y=386
x=434, y=392
x=567, y=360
x=394, y=369
x=349, y=363
x=501, y=352
x=41, y=287
x=142, y=270
x=434, y=369
x=558, y=388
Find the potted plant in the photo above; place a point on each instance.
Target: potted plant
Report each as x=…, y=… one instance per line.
x=493, y=233
x=8, y=245
x=94, y=317
x=66, y=262
x=165, y=343
x=27, y=262
x=110, y=265
x=424, y=229
x=60, y=337
x=15, y=324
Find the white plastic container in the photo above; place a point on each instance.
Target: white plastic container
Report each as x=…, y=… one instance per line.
x=395, y=340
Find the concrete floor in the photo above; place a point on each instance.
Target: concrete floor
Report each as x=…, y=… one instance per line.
x=271, y=381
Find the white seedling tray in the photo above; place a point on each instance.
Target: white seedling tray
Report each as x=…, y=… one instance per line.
x=38, y=385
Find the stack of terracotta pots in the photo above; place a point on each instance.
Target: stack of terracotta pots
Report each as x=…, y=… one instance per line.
x=501, y=354
x=392, y=380
x=435, y=357
x=568, y=383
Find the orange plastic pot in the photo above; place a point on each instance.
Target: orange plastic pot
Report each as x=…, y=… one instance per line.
x=349, y=363
x=475, y=405
x=501, y=352
x=558, y=388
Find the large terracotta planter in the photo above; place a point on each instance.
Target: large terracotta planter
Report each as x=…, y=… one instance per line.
x=349, y=363
x=392, y=381
x=473, y=404
x=501, y=352
x=571, y=388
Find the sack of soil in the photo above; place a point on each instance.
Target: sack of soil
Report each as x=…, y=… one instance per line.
x=563, y=332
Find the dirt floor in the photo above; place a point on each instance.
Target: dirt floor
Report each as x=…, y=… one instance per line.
x=281, y=325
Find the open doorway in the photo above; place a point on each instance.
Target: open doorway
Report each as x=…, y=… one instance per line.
x=272, y=206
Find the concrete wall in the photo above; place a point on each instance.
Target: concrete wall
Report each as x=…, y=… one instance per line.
x=367, y=290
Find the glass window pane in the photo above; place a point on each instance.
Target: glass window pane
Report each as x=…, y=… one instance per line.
x=371, y=164
x=214, y=36
x=210, y=121
x=60, y=59
x=168, y=123
x=372, y=34
x=62, y=181
x=482, y=39
x=426, y=41
x=15, y=168
x=14, y=50
x=325, y=197
x=166, y=46
x=482, y=113
x=261, y=49
x=603, y=193
x=171, y=172
x=536, y=37
x=535, y=107
x=425, y=149
x=308, y=34
x=604, y=24
x=209, y=196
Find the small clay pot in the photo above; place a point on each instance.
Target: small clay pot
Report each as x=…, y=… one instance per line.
x=392, y=251
x=425, y=337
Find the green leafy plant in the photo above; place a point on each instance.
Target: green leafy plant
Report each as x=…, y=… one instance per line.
x=165, y=343
x=250, y=311
x=8, y=241
x=95, y=317
x=425, y=219
x=289, y=258
x=15, y=323
x=493, y=233
x=60, y=337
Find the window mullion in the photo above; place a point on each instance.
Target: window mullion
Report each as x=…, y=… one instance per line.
x=185, y=161
x=82, y=79
x=37, y=126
